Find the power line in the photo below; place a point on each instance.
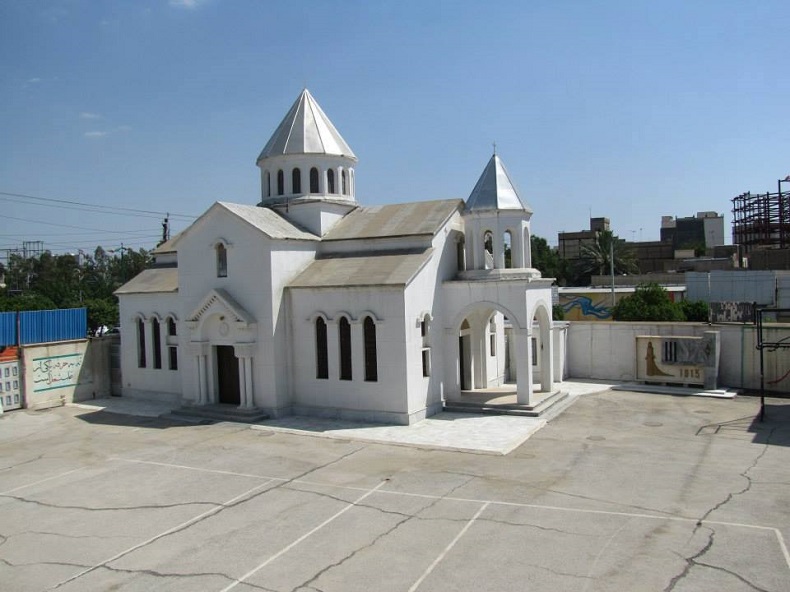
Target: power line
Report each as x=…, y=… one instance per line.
x=95, y=207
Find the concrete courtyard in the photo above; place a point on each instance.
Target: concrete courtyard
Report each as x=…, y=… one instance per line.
x=622, y=491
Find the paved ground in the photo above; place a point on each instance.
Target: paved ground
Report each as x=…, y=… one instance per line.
x=623, y=491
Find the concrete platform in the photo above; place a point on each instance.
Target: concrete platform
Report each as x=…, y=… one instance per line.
x=461, y=432
x=676, y=390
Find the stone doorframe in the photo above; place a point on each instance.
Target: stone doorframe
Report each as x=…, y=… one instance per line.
x=220, y=320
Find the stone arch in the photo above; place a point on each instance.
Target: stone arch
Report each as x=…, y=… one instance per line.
x=540, y=314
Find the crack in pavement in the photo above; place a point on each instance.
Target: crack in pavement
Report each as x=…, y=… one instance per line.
x=745, y=475
x=34, y=563
x=372, y=543
x=244, y=498
x=691, y=561
x=26, y=462
x=108, y=509
x=545, y=528
x=160, y=574
x=732, y=573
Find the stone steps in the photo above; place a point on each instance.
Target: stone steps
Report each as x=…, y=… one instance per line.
x=213, y=413
x=537, y=410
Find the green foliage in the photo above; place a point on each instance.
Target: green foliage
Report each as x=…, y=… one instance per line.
x=548, y=261
x=25, y=302
x=102, y=312
x=695, y=310
x=66, y=281
x=596, y=258
x=650, y=302
x=557, y=313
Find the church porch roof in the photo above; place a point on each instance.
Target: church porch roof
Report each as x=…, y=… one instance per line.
x=151, y=281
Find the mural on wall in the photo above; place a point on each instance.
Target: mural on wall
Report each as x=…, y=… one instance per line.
x=678, y=359
x=53, y=372
x=586, y=307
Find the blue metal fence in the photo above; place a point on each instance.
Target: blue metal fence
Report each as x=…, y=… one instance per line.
x=43, y=326
x=7, y=328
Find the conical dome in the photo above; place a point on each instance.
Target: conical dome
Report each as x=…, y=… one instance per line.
x=494, y=190
x=306, y=130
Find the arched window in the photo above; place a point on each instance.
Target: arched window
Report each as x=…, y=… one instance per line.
x=488, y=250
x=369, y=336
x=330, y=181
x=296, y=181
x=460, y=254
x=267, y=185
x=321, y=356
x=492, y=337
x=425, y=325
x=344, y=177
x=280, y=182
x=172, y=349
x=140, y=343
x=344, y=339
x=222, y=260
x=156, y=337
x=314, y=180
x=507, y=241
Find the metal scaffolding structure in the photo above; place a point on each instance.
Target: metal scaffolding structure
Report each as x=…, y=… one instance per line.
x=761, y=220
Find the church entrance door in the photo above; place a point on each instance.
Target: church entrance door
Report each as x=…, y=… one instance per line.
x=228, y=375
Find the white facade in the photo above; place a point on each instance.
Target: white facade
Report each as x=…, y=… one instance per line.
x=309, y=303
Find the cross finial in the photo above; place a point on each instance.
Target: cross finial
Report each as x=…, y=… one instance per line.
x=494, y=144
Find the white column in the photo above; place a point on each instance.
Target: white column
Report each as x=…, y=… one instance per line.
x=517, y=250
x=546, y=358
x=242, y=385
x=245, y=355
x=357, y=351
x=198, y=351
x=211, y=387
x=499, y=248
x=248, y=382
x=333, y=349
x=523, y=339
x=479, y=380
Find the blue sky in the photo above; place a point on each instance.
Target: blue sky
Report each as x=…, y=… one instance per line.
x=625, y=109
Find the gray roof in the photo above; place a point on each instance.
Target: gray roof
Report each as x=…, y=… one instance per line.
x=371, y=269
x=151, y=281
x=409, y=219
x=495, y=190
x=268, y=221
x=306, y=130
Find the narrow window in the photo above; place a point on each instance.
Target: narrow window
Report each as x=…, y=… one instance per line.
x=222, y=261
x=507, y=240
x=330, y=180
x=488, y=250
x=267, y=186
x=280, y=182
x=156, y=336
x=371, y=366
x=172, y=350
x=460, y=254
x=140, y=343
x=344, y=337
x=492, y=338
x=344, y=177
x=314, y=180
x=296, y=181
x=321, y=353
x=426, y=347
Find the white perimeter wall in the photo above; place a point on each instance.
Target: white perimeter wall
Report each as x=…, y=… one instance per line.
x=607, y=351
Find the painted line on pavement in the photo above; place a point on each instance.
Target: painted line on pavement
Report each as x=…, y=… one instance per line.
x=447, y=549
x=205, y=514
x=58, y=476
x=287, y=548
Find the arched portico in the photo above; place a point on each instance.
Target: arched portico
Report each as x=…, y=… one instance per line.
x=493, y=347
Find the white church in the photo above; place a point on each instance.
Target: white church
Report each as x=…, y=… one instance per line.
x=311, y=303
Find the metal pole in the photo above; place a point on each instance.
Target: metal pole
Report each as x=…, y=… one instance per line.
x=611, y=265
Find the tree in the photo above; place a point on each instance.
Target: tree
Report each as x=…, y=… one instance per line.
x=596, y=258
x=548, y=261
x=650, y=302
x=695, y=310
x=102, y=312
